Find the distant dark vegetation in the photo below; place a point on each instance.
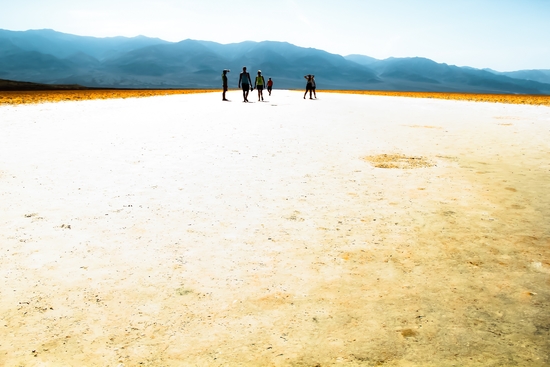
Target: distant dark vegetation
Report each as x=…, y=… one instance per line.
x=12, y=85
x=49, y=57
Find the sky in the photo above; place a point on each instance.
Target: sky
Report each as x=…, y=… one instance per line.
x=504, y=35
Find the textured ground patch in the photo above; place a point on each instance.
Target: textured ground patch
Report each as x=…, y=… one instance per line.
x=398, y=161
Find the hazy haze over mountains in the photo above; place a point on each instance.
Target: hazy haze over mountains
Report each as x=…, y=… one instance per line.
x=46, y=56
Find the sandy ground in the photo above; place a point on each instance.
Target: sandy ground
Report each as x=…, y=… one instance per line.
x=351, y=230
x=13, y=97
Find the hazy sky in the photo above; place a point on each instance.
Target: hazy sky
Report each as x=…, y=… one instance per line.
x=503, y=35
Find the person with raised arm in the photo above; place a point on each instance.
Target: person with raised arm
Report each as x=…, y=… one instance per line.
x=309, y=85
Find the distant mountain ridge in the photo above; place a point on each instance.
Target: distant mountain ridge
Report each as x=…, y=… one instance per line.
x=541, y=76
x=50, y=57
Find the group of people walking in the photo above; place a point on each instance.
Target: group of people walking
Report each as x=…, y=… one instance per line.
x=245, y=82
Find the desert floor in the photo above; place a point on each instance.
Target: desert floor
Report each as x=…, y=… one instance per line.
x=352, y=230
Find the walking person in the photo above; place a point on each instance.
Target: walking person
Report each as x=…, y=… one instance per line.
x=269, y=85
x=245, y=82
x=259, y=85
x=224, y=84
x=309, y=85
x=313, y=86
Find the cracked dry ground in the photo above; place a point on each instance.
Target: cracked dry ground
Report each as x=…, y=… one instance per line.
x=292, y=249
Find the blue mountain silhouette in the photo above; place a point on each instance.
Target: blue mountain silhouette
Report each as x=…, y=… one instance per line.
x=50, y=57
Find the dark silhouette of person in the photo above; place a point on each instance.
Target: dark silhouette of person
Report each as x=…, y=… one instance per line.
x=246, y=82
x=224, y=83
x=269, y=85
x=259, y=85
x=309, y=85
x=313, y=86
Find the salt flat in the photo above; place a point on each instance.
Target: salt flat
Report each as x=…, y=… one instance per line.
x=182, y=230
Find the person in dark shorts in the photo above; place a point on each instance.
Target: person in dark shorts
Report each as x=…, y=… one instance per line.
x=269, y=85
x=309, y=85
x=313, y=86
x=259, y=85
x=224, y=83
x=246, y=82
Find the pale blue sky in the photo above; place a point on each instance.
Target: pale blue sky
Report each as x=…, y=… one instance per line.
x=503, y=35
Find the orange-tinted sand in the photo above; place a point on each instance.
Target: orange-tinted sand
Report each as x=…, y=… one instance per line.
x=496, y=98
x=25, y=97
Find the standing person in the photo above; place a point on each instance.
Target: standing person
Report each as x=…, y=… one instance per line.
x=224, y=83
x=269, y=85
x=313, y=86
x=309, y=85
x=245, y=81
x=259, y=85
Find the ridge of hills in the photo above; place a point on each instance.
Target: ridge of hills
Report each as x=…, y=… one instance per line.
x=14, y=85
x=50, y=57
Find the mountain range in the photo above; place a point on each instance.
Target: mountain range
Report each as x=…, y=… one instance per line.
x=50, y=57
